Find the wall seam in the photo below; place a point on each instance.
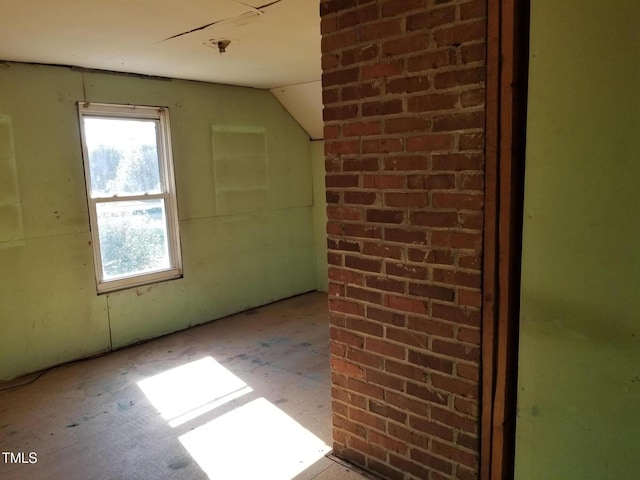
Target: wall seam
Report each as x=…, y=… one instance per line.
x=109, y=324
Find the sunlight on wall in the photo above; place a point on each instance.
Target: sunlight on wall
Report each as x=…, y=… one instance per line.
x=186, y=392
x=256, y=440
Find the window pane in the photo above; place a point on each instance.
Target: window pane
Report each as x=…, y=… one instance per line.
x=133, y=237
x=123, y=156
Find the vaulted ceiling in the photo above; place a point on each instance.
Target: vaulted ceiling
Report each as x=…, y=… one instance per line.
x=267, y=44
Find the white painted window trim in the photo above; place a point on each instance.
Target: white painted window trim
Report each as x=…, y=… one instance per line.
x=168, y=193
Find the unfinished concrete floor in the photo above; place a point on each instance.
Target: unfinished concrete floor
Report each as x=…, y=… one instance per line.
x=243, y=398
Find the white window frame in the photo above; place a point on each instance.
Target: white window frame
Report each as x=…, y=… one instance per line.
x=167, y=187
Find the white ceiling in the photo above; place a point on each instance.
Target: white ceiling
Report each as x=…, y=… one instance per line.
x=275, y=47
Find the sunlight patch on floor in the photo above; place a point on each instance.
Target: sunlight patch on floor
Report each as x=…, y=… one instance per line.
x=256, y=440
x=188, y=391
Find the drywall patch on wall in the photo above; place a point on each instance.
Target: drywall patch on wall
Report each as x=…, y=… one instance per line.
x=241, y=168
x=11, y=231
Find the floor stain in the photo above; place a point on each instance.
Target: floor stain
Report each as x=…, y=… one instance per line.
x=274, y=341
x=125, y=406
x=258, y=361
x=240, y=356
x=178, y=463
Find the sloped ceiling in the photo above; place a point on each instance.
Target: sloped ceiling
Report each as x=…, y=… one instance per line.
x=273, y=45
x=304, y=103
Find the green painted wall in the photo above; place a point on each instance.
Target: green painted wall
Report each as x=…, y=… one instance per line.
x=49, y=310
x=579, y=376
x=320, y=214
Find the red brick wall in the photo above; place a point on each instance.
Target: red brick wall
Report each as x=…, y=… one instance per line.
x=403, y=88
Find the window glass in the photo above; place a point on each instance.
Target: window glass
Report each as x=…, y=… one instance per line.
x=123, y=156
x=133, y=237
